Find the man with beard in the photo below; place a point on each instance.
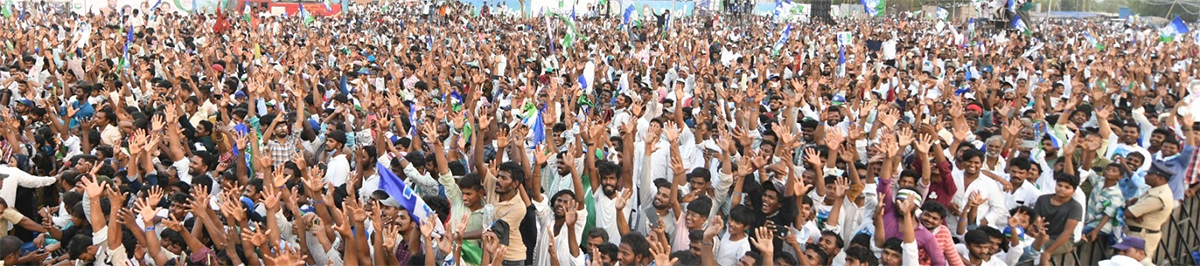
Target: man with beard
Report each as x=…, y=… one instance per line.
x=338, y=167
x=283, y=138
x=605, y=200
x=510, y=208
x=931, y=217
x=201, y=162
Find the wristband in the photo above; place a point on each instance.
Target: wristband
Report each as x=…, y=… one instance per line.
x=148, y=229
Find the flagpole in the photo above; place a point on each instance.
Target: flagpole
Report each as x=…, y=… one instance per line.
x=1168, y=16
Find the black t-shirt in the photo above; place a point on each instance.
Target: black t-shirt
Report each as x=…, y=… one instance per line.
x=1057, y=216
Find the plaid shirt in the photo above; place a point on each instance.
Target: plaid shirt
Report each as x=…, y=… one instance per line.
x=281, y=152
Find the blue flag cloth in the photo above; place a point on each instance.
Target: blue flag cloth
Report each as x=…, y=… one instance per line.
x=402, y=194
x=628, y=14
x=538, y=126
x=412, y=119
x=583, y=82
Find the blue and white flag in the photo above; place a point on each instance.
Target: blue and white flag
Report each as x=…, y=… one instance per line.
x=1093, y=41
x=1019, y=24
x=783, y=38
x=405, y=196
x=328, y=5
x=841, y=61
x=942, y=13
x=1176, y=27
x=627, y=15
x=537, y=126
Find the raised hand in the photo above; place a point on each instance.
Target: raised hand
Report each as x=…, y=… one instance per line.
x=626, y=194
x=924, y=142
x=715, y=225
x=285, y=256
x=764, y=241
x=839, y=187
x=812, y=157
x=662, y=254
x=904, y=137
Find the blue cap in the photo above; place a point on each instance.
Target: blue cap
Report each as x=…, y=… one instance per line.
x=1161, y=168
x=1131, y=242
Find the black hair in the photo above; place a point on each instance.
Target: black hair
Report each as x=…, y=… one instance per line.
x=685, y=257
x=1070, y=179
x=971, y=154
x=893, y=244
x=702, y=173
x=514, y=170
x=440, y=205
x=608, y=168
x=742, y=214
x=10, y=245
x=471, y=181
x=635, y=240
x=208, y=159
x=1021, y=162
x=560, y=193
x=862, y=255
x=822, y=257
x=935, y=207
x=610, y=250
x=416, y=159
x=977, y=237
x=79, y=245
x=701, y=205
x=598, y=232
x=837, y=239
x=910, y=173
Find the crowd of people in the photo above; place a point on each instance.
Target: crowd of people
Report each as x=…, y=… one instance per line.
x=410, y=134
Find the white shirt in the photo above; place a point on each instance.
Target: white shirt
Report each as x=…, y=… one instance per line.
x=1025, y=195
x=729, y=251
x=993, y=209
x=338, y=170
x=606, y=214
x=17, y=178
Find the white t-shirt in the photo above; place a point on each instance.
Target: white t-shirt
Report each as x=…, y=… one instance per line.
x=730, y=251
x=338, y=170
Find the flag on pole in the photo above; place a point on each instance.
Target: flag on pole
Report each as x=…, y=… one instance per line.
x=942, y=13
x=328, y=5
x=456, y=101
x=246, y=12
x=8, y=6
x=667, y=27
x=305, y=16
x=970, y=28
x=537, y=126
x=874, y=8
x=1176, y=27
x=841, y=61
x=1019, y=24
x=572, y=33
x=1093, y=41
x=783, y=38
x=124, y=61
x=155, y=7
x=628, y=14
x=404, y=196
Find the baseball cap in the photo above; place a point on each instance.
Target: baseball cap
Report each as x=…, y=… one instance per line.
x=1131, y=242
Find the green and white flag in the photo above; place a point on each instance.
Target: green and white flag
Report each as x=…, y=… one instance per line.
x=874, y=8
x=572, y=33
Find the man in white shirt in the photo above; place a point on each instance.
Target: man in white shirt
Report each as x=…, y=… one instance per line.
x=337, y=170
